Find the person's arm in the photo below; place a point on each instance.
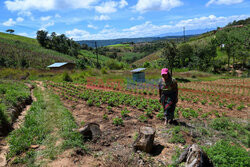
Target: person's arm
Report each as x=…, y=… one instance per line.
x=160, y=91
x=176, y=88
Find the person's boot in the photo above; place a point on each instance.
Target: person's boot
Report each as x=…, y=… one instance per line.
x=171, y=121
x=166, y=121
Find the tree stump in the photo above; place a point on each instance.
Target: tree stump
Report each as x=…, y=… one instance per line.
x=194, y=156
x=145, y=140
x=91, y=131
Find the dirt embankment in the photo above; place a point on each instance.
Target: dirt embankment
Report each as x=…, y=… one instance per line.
x=17, y=115
x=14, y=112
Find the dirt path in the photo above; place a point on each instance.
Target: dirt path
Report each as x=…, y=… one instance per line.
x=3, y=143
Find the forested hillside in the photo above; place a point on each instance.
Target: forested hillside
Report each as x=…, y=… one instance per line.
x=216, y=51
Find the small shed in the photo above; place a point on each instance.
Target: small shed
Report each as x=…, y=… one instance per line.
x=138, y=74
x=62, y=66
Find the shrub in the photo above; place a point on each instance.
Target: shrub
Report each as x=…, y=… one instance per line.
x=114, y=65
x=220, y=123
x=104, y=70
x=66, y=77
x=224, y=154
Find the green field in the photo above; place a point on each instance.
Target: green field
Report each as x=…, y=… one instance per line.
x=19, y=38
x=22, y=52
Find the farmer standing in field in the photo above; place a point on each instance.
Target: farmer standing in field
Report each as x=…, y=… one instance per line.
x=168, y=91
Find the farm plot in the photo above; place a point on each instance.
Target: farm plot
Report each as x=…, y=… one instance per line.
x=120, y=113
x=224, y=96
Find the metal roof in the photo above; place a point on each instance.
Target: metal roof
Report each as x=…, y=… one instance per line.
x=138, y=70
x=58, y=64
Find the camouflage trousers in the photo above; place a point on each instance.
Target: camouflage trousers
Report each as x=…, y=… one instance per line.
x=169, y=105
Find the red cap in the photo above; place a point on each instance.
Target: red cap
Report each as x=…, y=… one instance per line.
x=164, y=71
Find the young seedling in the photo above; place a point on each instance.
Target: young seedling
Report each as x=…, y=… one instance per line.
x=117, y=121
x=143, y=118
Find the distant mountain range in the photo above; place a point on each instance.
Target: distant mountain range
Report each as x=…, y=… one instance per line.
x=188, y=33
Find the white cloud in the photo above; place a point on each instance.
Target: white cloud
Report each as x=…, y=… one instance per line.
x=19, y=19
x=223, y=2
x=92, y=26
x=45, y=26
x=57, y=16
x=24, y=13
x=46, y=18
x=23, y=34
x=102, y=17
x=26, y=5
x=9, y=23
x=76, y=33
x=107, y=26
x=123, y=3
x=151, y=5
x=110, y=6
x=148, y=29
x=137, y=18
x=107, y=7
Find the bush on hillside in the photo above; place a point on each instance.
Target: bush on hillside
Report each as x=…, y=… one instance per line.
x=224, y=154
x=114, y=65
x=146, y=64
x=66, y=77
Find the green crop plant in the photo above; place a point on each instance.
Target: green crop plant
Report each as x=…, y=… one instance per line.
x=199, y=109
x=204, y=115
x=177, y=137
x=195, y=100
x=90, y=102
x=203, y=102
x=193, y=113
x=105, y=117
x=216, y=113
x=117, y=121
x=230, y=106
x=148, y=112
x=125, y=112
x=142, y=118
x=240, y=107
x=98, y=104
x=221, y=104
x=160, y=115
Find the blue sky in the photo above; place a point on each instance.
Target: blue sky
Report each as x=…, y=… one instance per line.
x=110, y=19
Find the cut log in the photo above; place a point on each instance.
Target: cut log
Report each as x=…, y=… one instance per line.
x=194, y=156
x=91, y=131
x=145, y=140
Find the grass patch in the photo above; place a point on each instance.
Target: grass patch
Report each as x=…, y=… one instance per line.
x=224, y=154
x=177, y=137
x=11, y=94
x=48, y=123
x=237, y=132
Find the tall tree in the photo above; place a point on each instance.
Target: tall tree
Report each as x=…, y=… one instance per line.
x=185, y=53
x=42, y=37
x=10, y=31
x=169, y=53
